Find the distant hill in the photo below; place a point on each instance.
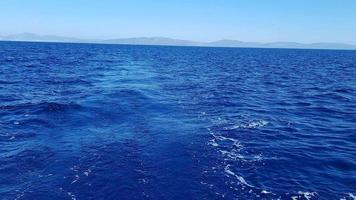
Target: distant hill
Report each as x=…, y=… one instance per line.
x=152, y=41
x=175, y=42
x=39, y=38
x=232, y=43
x=294, y=45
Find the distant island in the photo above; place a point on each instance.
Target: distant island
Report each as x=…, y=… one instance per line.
x=30, y=37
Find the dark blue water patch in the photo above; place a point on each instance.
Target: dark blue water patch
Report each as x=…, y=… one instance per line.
x=90, y=121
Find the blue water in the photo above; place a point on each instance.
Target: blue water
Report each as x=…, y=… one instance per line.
x=89, y=121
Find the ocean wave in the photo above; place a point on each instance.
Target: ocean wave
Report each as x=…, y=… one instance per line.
x=53, y=107
x=93, y=121
x=16, y=136
x=8, y=82
x=17, y=161
x=41, y=107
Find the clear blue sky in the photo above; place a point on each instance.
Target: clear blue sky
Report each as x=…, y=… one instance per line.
x=201, y=20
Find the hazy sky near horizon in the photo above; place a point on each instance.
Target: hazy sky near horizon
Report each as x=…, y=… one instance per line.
x=201, y=20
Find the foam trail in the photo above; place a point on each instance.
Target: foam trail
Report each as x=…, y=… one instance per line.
x=240, y=178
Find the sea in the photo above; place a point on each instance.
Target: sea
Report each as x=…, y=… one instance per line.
x=96, y=121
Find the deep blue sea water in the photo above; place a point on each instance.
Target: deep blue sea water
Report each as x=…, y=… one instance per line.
x=90, y=121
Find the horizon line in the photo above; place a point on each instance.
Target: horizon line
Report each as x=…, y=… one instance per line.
x=174, y=38
x=154, y=40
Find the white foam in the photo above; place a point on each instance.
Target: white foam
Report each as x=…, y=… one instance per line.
x=240, y=178
x=265, y=192
x=219, y=138
x=232, y=154
x=87, y=172
x=71, y=195
x=249, y=125
x=352, y=196
x=19, y=196
x=75, y=179
x=222, y=138
x=207, y=184
x=231, y=149
x=258, y=157
x=307, y=195
x=213, y=143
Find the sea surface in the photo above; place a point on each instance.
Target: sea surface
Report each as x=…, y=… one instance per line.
x=91, y=121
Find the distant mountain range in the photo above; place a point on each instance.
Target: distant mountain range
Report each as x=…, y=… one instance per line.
x=175, y=42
